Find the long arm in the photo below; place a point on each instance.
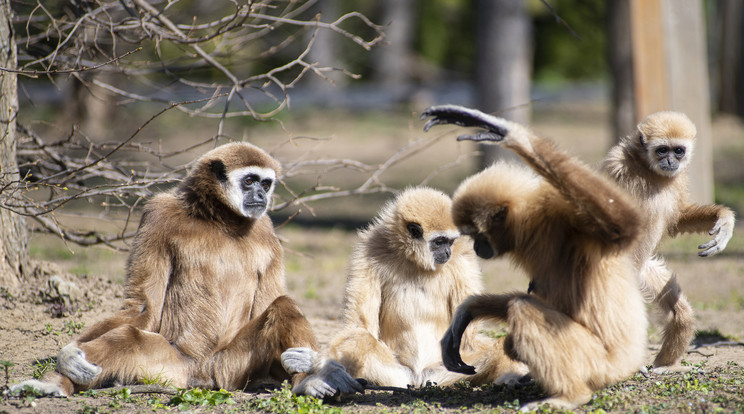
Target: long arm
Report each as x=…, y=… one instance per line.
x=604, y=210
x=474, y=307
x=718, y=221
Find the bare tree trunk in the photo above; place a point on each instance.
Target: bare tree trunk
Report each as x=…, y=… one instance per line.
x=13, y=232
x=731, y=84
x=393, y=59
x=503, y=65
x=620, y=58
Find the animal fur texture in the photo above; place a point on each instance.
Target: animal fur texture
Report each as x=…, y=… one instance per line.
x=205, y=298
x=408, y=272
x=583, y=325
x=652, y=165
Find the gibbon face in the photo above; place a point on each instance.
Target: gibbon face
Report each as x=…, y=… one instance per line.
x=486, y=206
x=239, y=175
x=423, y=226
x=668, y=139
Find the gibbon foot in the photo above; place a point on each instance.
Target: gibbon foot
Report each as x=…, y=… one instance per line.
x=296, y=360
x=670, y=369
x=45, y=389
x=515, y=380
x=71, y=363
x=330, y=381
x=558, y=403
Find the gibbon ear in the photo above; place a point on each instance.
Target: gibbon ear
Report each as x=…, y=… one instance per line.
x=219, y=170
x=415, y=230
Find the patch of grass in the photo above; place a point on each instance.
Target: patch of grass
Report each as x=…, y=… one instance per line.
x=197, y=397
x=283, y=400
x=43, y=366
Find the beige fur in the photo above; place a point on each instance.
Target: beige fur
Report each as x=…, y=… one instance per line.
x=205, y=296
x=583, y=326
x=663, y=197
x=399, y=302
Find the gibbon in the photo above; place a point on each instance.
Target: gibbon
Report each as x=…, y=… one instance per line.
x=205, y=298
x=582, y=324
x=652, y=165
x=407, y=275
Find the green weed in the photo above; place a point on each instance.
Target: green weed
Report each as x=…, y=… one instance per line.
x=196, y=397
x=43, y=366
x=283, y=400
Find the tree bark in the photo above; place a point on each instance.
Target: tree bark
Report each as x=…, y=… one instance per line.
x=392, y=63
x=731, y=66
x=620, y=56
x=13, y=232
x=503, y=65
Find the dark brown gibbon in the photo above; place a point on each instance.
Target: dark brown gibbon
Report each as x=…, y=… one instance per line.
x=407, y=275
x=583, y=324
x=652, y=165
x=205, y=298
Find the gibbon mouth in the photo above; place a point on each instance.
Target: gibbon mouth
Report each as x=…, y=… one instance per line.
x=254, y=205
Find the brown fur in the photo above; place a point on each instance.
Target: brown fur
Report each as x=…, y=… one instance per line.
x=205, y=302
x=583, y=327
x=663, y=197
x=398, y=303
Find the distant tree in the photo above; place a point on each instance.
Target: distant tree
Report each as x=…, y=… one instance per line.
x=729, y=21
x=503, y=64
x=393, y=59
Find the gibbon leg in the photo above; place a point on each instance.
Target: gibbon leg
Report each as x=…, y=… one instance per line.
x=256, y=350
x=661, y=285
x=563, y=356
x=127, y=354
x=366, y=357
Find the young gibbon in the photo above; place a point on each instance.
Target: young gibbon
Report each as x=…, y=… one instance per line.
x=407, y=275
x=582, y=325
x=652, y=165
x=205, y=298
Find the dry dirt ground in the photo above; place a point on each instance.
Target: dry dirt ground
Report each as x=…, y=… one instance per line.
x=35, y=322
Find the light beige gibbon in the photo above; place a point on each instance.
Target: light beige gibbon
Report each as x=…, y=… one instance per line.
x=583, y=324
x=652, y=165
x=407, y=275
x=205, y=301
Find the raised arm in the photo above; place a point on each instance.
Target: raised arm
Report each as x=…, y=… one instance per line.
x=604, y=209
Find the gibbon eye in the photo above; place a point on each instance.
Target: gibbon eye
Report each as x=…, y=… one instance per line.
x=443, y=241
x=415, y=230
x=248, y=180
x=662, y=151
x=266, y=184
x=679, y=151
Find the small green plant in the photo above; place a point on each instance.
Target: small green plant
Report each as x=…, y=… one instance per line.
x=43, y=366
x=283, y=400
x=7, y=365
x=73, y=327
x=48, y=330
x=120, y=396
x=196, y=397
x=148, y=379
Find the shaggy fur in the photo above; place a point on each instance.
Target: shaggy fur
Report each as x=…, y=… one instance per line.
x=205, y=297
x=399, y=301
x=636, y=164
x=583, y=326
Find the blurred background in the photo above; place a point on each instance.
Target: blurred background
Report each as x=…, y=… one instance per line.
x=116, y=98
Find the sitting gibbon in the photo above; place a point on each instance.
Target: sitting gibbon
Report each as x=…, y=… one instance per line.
x=407, y=275
x=582, y=325
x=205, y=298
x=652, y=165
